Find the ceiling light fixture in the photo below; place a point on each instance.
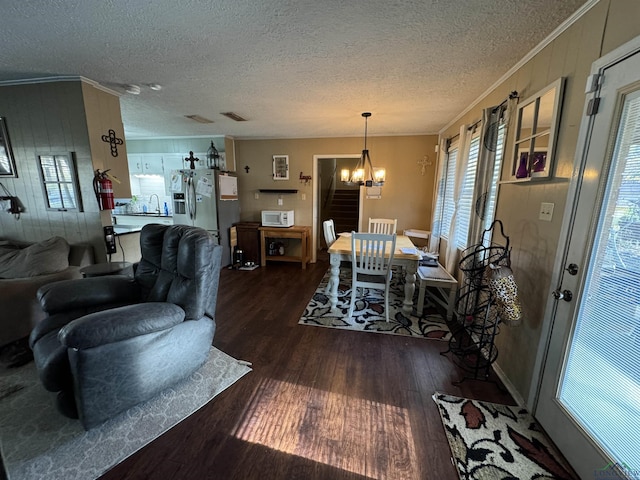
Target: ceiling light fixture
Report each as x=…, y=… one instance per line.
x=233, y=116
x=199, y=119
x=155, y=87
x=376, y=176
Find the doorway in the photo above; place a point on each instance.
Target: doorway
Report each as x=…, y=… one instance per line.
x=589, y=395
x=333, y=199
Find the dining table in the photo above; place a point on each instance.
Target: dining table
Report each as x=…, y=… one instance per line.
x=405, y=255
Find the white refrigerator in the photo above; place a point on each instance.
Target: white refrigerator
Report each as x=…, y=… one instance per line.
x=208, y=199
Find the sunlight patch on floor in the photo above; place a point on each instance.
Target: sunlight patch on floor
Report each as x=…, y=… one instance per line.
x=352, y=434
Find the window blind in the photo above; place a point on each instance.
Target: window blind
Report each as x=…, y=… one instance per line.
x=490, y=212
x=465, y=202
x=448, y=206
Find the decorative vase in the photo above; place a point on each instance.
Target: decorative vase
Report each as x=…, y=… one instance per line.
x=523, y=168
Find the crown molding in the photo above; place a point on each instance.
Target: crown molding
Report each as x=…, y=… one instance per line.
x=537, y=49
x=64, y=78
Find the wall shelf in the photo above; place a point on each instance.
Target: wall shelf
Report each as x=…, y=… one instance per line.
x=531, y=181
x=278, y=190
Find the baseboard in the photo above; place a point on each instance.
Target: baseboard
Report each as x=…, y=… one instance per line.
x=508, y=385
x=502, y=376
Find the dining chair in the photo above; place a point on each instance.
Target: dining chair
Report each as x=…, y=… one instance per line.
x=385, y=226
x=329, y=230
x=369, y=265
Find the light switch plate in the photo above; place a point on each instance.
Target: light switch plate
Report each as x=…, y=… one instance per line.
x=304, y=196
x=546, y=211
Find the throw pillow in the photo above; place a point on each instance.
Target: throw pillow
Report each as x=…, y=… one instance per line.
x=48, y=256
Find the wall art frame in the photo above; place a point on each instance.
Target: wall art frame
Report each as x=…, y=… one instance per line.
x=281, y=167
x=7, y=160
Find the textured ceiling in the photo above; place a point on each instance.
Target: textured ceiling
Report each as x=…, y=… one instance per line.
x=304, y=68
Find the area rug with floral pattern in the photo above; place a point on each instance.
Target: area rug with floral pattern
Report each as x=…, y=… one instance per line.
x=499, y=442
x=369, y=313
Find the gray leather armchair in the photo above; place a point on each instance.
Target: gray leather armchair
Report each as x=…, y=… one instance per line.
x=109, y=343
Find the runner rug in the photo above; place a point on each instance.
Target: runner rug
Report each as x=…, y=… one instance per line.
x=496, y=442
x=368, y=314
x=38, y=442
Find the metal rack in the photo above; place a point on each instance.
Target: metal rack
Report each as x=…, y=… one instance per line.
x=473, y=341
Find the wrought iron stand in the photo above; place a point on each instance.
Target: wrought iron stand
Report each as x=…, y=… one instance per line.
x=472, y=344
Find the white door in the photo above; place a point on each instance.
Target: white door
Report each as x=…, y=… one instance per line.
x=589, y=400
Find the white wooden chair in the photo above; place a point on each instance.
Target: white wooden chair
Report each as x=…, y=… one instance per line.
x=385, y=226
x=370, y=268
x=329, y=230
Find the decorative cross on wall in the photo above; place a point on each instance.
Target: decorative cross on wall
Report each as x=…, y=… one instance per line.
x=114, y=141
x=423, y=163
x=192, y=159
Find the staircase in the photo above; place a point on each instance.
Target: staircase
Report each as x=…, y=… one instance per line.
x=343, y=208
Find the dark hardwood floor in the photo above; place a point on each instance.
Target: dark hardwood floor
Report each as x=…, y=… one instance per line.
x=320, y=403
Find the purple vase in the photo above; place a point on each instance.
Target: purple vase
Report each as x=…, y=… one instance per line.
x=523, y=169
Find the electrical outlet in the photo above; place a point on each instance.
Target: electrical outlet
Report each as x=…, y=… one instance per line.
x=256, y=195
x=280, y=202
x=546, y=211
x=304, y=196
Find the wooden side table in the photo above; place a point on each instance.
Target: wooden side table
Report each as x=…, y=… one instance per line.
x=301, y=232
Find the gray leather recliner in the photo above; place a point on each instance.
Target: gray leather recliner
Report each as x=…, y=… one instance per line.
x=109, y=343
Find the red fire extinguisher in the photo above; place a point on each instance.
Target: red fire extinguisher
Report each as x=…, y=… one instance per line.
x=104, y=190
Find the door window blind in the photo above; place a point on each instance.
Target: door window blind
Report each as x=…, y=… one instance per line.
x=601, y=382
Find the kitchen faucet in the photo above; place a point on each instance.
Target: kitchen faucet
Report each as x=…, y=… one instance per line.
x=158, y=201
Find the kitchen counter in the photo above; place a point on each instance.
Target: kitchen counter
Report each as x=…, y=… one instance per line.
x=151, y=215
x=123, y=230
x=123, y=223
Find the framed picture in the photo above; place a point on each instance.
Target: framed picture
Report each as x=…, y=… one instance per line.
x=7, y=162
x=281, y=167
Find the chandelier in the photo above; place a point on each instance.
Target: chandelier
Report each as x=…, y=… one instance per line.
x=360, y=175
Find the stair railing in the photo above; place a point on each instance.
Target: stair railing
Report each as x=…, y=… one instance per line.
x=331, y=189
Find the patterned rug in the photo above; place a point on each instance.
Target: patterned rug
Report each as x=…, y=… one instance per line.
x=499, y=442
x=38, y=442
x=369, y=314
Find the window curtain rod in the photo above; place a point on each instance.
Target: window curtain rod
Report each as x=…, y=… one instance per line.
x=511, y=96
x=473, y=126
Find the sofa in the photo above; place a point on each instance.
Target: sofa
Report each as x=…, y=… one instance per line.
x=24, y=268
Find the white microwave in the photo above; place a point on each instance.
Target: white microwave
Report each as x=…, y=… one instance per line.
x=277, y=218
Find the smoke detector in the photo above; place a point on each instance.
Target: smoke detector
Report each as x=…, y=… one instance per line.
x=132, y=89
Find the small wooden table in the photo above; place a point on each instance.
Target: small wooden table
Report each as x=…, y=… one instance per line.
x=301, y=232
x=444, y=286
x=341, y=250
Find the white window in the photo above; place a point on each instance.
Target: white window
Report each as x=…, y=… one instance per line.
x=59, y=182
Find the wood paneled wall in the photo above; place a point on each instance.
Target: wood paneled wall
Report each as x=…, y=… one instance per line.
x=604, y=27
x=50, y=118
